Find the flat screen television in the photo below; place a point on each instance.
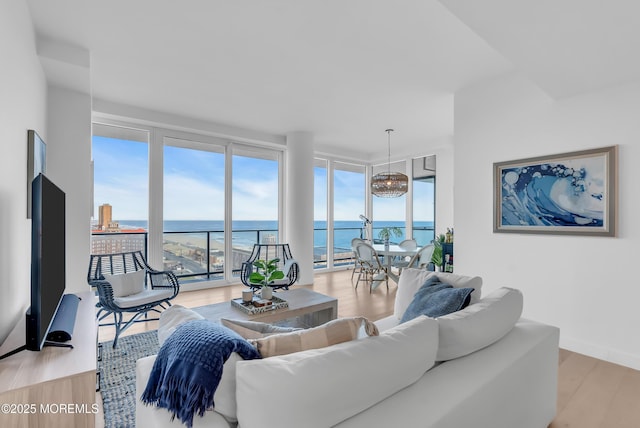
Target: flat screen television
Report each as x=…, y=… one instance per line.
x=47, y=259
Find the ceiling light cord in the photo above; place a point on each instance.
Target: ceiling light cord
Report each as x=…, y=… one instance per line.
x=389, y=131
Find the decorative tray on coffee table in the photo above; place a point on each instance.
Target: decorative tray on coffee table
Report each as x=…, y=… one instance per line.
x=251, y=308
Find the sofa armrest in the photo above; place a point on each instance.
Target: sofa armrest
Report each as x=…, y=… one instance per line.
x=151, y=416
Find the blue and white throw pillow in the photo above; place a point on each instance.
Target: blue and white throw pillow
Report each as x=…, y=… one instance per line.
x=435, y=299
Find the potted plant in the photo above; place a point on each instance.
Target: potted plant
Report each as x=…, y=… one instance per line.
x=266, y=273
x=436, y=257
x=388, y=231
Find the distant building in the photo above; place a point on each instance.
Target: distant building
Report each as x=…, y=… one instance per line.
x=116, y=240
x=124, y=242
x=269, y=238
x=104, y=216
x=105, y=219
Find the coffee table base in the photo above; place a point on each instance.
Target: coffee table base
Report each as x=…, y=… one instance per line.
x=306, y=309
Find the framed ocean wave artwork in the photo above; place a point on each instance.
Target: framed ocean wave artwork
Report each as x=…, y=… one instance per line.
x=568, y=193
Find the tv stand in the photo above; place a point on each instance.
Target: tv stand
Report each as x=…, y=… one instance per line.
x=58, y=344
x=54, y=378
x=63, y=322
x=61, y=327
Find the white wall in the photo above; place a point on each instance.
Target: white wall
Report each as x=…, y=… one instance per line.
x=22, y=107
x=443, y=149
x=587, y=286
x=69, y=166
x=444, y=184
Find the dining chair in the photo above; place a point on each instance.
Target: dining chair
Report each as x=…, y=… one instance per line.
x=407, y=244
x=356, y=262
x=419, y=260
x=371, y=267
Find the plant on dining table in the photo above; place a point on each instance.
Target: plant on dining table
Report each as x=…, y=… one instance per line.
x=388, y=231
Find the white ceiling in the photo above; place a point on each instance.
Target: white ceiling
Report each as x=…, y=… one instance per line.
x=567, y=47
x=344, y=70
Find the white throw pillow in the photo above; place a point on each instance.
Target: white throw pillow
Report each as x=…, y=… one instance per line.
x=330, y=333
x=328, y=385
x=225, y=395
x=126, y=284
x=254, y=329
x=412, y=279
x=479, y=325
x=173, y=317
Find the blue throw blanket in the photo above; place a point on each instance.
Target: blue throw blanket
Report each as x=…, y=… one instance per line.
x=188, y=368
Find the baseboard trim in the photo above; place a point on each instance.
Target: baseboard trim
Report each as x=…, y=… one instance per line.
x=596, y=351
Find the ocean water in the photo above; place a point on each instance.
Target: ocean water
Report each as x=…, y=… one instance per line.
x=247, y=232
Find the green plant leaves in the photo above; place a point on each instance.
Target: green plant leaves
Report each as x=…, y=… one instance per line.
x=267, y=272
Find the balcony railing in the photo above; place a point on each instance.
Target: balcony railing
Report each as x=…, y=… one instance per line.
x=342, y=236
x=199, y=255
x=191, y=255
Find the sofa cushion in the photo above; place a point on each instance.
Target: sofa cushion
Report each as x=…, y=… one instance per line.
x=331, y=333
x=386, y=323
x=322, y=387
x=126, y=284
x=435, y=299
x=224, y=397
x=412, y=279
x=189, y=367
x=254, y=329
x=479, y=325
x=463, y=281
x=145, y=297
x=173, y=317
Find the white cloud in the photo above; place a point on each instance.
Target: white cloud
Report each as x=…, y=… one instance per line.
x=190, y=199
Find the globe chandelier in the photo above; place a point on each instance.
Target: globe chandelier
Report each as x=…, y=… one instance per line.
x=389, y=184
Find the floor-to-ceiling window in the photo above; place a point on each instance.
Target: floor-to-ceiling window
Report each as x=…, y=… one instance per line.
x=255, y=200
x=211, y=199
x=193, y=209
x=120, y=189
x=320, y=211
x=424, y=197
x=349, y=203
x=390, y=212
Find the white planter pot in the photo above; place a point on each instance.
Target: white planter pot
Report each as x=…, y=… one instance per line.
x=266, y=293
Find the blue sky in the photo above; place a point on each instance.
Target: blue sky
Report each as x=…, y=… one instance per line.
x=194, y=186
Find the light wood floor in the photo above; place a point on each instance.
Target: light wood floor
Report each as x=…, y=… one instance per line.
x=591, y=393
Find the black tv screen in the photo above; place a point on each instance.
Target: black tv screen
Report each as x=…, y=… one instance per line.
x=47, y=259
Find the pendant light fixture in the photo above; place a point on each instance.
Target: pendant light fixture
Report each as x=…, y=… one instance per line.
x=389, y=184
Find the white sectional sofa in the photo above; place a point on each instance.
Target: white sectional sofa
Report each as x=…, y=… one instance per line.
x=481, y=367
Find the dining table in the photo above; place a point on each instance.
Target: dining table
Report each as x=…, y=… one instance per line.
x=389, y=253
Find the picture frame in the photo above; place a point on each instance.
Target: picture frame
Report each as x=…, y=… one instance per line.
x=572, y=193
x=36, y=162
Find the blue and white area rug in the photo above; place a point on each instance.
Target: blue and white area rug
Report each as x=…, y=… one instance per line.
x=118, y=376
